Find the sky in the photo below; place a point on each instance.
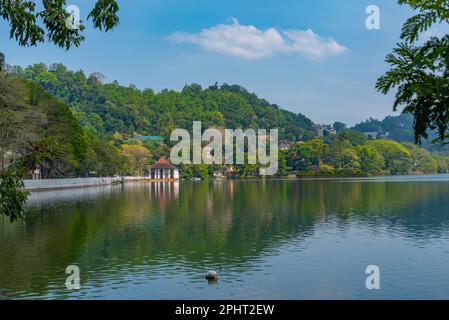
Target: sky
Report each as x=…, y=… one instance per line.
x=311, y=57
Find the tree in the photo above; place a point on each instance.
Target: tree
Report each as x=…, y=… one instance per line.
x=102, y=157
x=111, y=108
x=200, y=171
x=21, y=125
x=27, y=31
x=442, y=163
x=420, y=71
x=339, y=126
x=2, y=61
x=12, y=195
x=371, y=161
x=36, y=131
x=138, y=156
x=30, y=27
x=189, y=171
x=356, y=138
x=158, y=149
x=282, y=171
x=397, y=158
x=96, y=78
x=342, y=155
x=422, y=160
x=307, y=154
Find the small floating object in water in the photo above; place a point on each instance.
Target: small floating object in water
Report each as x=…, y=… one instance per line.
x=212, y=276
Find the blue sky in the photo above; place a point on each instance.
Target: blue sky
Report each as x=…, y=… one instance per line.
x=279, y=49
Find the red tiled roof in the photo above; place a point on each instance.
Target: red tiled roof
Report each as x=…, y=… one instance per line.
x=163, y=163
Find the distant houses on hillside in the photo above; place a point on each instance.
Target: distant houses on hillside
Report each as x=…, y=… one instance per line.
x=324, y=129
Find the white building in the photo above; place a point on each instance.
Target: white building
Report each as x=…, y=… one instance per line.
x=163, y=169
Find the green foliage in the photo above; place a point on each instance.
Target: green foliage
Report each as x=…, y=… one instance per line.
x=326, y=169
x=339, y=126
x=397, y=158
x=420, y=71
x=306, y=154
x=442, y=163
x=354, y=137
x=114, y=108
x=422, y=160
x=38, y=131
x=342, y=156
x=397, y=128
x=104, y=14
x=138, y=157
x=2, y=61
x=282, y=164
x=400, y=129
x=431, y=12
x=103, y=158
x=371, y=160
x=189, y=171
x=30, y=27
x=338, y=156
x=157, y=149
x=31, y=119
x=12, y=195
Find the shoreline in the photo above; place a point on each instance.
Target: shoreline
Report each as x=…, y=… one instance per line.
x=76, y=183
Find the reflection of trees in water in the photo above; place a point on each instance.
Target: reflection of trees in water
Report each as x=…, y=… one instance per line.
x=225, y=223
x=414, y=208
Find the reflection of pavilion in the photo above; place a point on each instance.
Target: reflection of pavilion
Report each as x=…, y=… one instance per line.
x=164, y=194
x=164, y=190
x=163, y=169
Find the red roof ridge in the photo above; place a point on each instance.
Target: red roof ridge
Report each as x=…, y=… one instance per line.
x=163, y=163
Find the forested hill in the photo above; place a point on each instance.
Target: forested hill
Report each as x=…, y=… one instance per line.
x=30, y=120
x=398, y=128
x=112, y=108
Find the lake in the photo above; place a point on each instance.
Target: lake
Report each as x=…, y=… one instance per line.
x=267, y=239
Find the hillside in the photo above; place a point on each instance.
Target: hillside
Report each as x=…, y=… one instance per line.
x=113, y=108
x=37, y=128
x=397, y=128
x=79, y=139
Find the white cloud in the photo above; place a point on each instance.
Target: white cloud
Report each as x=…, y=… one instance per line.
x=251, y=43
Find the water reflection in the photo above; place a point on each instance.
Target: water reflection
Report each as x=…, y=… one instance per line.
x=156, y=240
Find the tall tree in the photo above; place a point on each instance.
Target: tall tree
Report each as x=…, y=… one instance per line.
x=339, y=126
x=30, y=27
x=420, y=72
x=2, y=61
x=36, y=131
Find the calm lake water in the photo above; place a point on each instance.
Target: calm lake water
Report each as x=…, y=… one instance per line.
x=276, y=239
